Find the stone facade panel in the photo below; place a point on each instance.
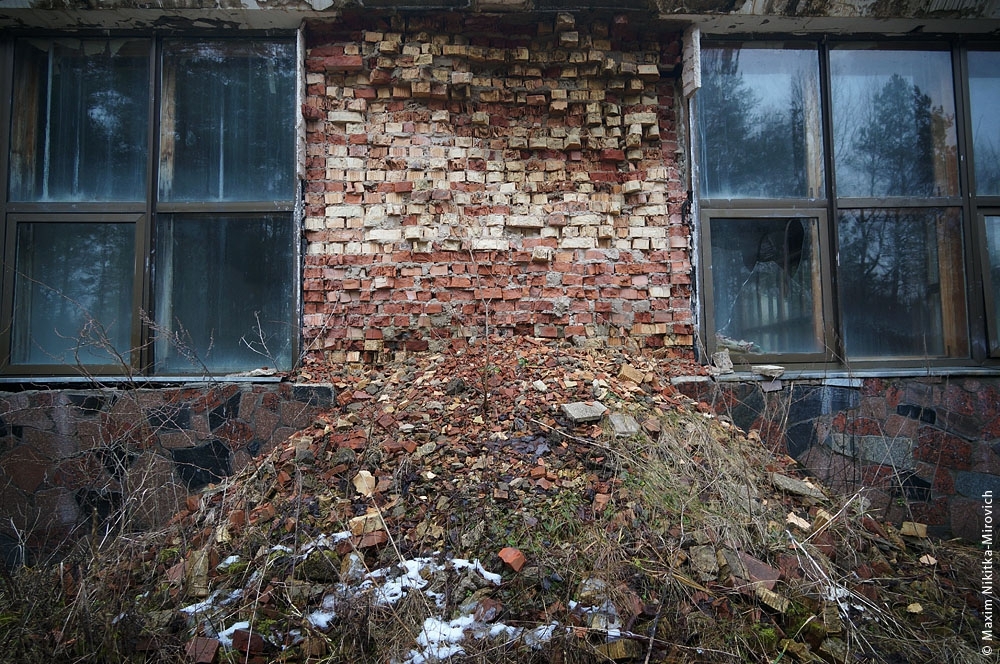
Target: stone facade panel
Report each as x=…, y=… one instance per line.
x=121, y=455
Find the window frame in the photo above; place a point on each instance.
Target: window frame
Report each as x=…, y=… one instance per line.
x=983, y=344
x=141, y=355
x=980, y=207
x=800, y=210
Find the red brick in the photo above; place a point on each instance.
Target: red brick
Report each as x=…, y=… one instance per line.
x=343, y=63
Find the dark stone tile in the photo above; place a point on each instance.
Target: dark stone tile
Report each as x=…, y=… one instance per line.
x=89, y=404
x=117, y=459
x=13, y=553
x=809, y=402
x=913, y=487
x=806, y=404
x=198, y=466
x=170, y=418
x=229, y=409
x=99, y=504
x=840, y=398
x=314, y=395
x=799, y=438
x=914, y=412
x=748, y=407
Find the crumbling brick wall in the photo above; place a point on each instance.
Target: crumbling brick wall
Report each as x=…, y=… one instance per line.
x=471, y=170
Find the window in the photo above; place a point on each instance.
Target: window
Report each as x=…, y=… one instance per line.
x=838, y=225
x=149, y=223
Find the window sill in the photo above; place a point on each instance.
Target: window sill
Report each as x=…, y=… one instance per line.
x=137, y=381
x=843, y=378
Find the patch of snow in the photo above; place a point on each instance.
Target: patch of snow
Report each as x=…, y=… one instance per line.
x=321, y=619
x=439, y=640
x=217, y=599
x=541, y=635
x=325, y=541
x=394, y=589
x=226, y=636
x=231, y=560
x=498, y=629
x=461, y=563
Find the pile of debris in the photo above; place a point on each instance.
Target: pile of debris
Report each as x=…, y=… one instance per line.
x=512, y=501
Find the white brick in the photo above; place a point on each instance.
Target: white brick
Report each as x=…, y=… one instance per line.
x=344, y=117
x=578, y=243
x=490, y=244
x=586, y=219
x=344, y=211
x=525, y=221
x=384, y=235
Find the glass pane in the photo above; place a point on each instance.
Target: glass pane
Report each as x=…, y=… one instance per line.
x=984, y=96
x=902, y=284
x=79, y=129
x=227, y=121
x=758, y=123
x=993, y=247
x=224, y=293
x=73, y=293
x=766, y=285
x=893, y=123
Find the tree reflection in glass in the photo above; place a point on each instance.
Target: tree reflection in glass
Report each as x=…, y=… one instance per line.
x=79, y=130
x=234, y=311
x=901, y=282
x=993, y=250
x=984, y=99
x=73, y=292
x=758, y=123
x=893, y=123
x=765, y=285
x=227, y=125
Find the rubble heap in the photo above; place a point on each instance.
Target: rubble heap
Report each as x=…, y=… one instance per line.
x=514, y=500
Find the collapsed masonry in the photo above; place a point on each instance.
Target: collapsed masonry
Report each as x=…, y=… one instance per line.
x=465, y=171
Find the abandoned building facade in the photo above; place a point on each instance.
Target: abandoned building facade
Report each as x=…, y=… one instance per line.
x=200, y=195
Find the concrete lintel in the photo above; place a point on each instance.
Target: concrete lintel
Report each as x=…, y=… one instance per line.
x=16, y=14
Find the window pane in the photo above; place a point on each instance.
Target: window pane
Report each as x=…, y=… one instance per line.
x=224, y=292
x=993, y=248
x=893, y=123
x=902, y=288
x=984, y=96
x=227, y=121
x=765, y=282
x=758, y=123
x=73, y=293
x=79, y=129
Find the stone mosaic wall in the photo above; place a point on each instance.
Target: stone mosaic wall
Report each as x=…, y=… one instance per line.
x=464, y=170
x=70, y=459
x=925, y=449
